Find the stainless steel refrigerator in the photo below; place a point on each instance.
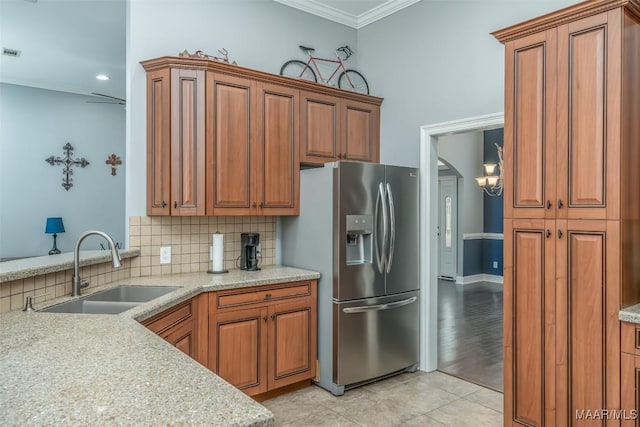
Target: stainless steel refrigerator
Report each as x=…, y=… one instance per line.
x=358, y=226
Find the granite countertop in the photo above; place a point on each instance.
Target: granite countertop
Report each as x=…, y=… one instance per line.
x=33, y=266
x=630, y=314
x=91, y=369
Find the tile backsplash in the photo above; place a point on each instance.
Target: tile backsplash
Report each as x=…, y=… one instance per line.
x=49, y=286
x=189, y=239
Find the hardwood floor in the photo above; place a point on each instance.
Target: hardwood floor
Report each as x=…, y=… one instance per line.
x=470, y=332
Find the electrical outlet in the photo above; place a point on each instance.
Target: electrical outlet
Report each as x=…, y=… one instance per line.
x=495, y=264
x=165, y=255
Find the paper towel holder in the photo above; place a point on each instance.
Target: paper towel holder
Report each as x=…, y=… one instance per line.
x=220, y=238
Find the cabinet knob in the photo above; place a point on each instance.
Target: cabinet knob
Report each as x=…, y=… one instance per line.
x=264, y=318
x=254, y=204
x=273, y=317
x=560, y=204
x=261, y=205
x=548, y=233
x=175, y=205
x=163, y=204
x=560, y=234
x=267, y=296
x=549, y=204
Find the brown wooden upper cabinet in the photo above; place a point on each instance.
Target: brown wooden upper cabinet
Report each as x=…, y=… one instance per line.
x=336, y=128
x=563, y=121
x=175, y=142
x=252, y=161
x=228, y=140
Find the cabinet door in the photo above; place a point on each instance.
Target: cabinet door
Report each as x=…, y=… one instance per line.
x=229, y=144
x=238, y=348
x=588, y=117
x=159, y=142
x=630, y=390
x=361, y=131
x=187, y=142
x=182, y=337
x=319, y=128
x=529, y=132
x=588, y=329
x=292, y=342
x=276, y=158
x=529, y=322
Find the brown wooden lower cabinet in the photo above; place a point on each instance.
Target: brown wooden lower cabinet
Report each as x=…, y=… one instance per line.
x=561, y=328
x=182, y=325
x=630, y=375
x=264, y=338
x=258, y=339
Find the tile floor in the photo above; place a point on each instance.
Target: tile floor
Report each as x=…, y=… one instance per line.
x=411, y=399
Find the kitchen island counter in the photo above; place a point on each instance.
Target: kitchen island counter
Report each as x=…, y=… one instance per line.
x=630, y=314
x=89, y=369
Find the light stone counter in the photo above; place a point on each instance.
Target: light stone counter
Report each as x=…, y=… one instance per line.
x=630, y=314
x=34, y=266
x=88, y=369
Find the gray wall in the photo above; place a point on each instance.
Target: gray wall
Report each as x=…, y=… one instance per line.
x=436, y=61
x=259, y=34
x=35, y=124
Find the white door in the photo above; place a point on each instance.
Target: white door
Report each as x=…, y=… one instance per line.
x=448, y=230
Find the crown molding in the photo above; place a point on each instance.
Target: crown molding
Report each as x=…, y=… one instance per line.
x=323, y=11
x=354, y=21
x=383, y=11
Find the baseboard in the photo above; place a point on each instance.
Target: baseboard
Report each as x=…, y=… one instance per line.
x=475, y=278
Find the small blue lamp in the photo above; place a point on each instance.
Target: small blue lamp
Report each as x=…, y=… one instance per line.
x=54, y=226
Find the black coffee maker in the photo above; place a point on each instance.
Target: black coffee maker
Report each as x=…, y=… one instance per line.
x=249, y=251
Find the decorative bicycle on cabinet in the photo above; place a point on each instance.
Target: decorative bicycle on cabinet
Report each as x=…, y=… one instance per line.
x=348, y=79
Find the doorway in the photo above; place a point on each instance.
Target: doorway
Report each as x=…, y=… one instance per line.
x=429, y=222
x=448, y=226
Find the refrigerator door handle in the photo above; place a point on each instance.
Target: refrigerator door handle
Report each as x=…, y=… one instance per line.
x=379, y=307
x=392, y=220
x=381, y=250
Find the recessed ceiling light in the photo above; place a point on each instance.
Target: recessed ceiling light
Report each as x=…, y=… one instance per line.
x=102, y=77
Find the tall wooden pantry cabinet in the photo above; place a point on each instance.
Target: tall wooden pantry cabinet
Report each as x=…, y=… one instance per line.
x=572, y=210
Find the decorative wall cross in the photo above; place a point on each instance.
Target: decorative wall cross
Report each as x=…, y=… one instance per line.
x=113, y=160
x=67, y=161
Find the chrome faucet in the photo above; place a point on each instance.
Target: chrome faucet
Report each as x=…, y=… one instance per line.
x=78, y=283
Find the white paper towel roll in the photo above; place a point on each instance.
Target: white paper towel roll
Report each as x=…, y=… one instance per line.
x=217, y=263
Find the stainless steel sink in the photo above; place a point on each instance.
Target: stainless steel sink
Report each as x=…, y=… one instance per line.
x=131, y=293
x=90, y=307
x=111, y=301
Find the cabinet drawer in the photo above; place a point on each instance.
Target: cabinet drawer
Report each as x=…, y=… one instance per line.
x=235, y=298
x=162, y=321
x=630, y=338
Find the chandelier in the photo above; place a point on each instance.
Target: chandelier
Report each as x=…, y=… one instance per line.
x=492, y=182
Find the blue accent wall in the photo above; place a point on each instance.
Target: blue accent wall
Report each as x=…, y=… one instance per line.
x=473, y=258
x=480, y=254
x=492, y=251
x=493, y=205
x=493, y=208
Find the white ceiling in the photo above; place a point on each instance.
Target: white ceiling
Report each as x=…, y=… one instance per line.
x=64, y=44
x=354, y=13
